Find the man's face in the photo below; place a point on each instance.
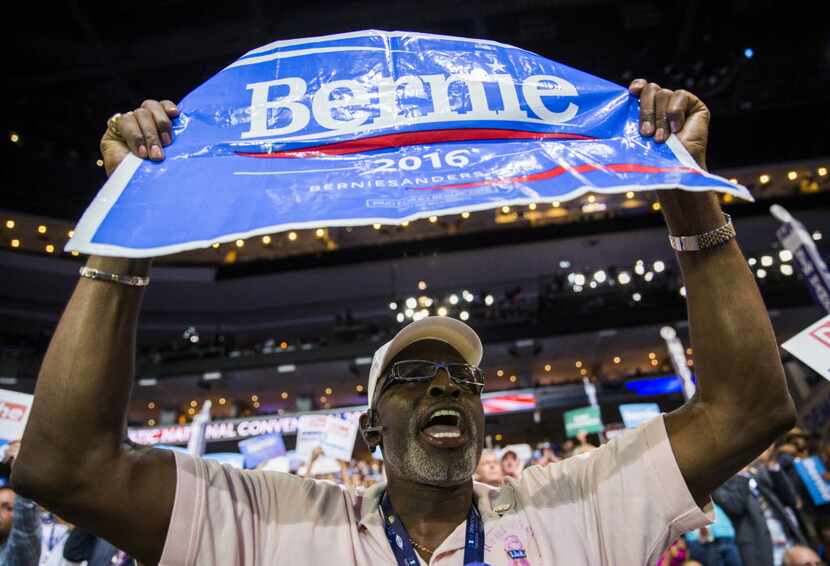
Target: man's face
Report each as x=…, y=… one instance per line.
x=6, y=507
x=420, y=445
x=489, y=469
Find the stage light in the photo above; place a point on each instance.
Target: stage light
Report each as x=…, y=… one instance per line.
x=420, y=315
x=640, y=267
x=41, y=229
x=658, y=266
x=254, y=398
x=766, y=260
x=14, y=137
x=547, y=367
x=50, y=248
x=467, y=296
x=465, y=215
x=654, y=362
x=592, y=284
x=764, y=179
x=323, y=399
x=749, y=53
x=409, y=313
x=464, y=315
x=151, y=405
x=359, y=388
x=652, y=355
x=785, y=255
x=498, y=437
x=822, y=171
x=733, y=180
x=292, y=236
x=578, y=363
x=683, y=291
x=636, y=297
x=583, y=372
x=71, y=233
x=453, y=299
x=411, y=303
x=786, y=269
x=99, y=162
x=319, y=232
x=10, y=224
x=761, y=273
x=266, y=240
x=655, y=206
x=283, y=345
x=422, y=285
x=648, y=276
x=75, y=252
x=433, y=219
x=532, y=206
x=328, y=390
x=505, y=209
x=376, y=226
x=816, y=235
x=488, y=300
x=579, y=279
x=215, y=245
x=442, y=311
x=751, y=261
x=513, y=379
x=792, y=175
x=405, y=223
x=592, y=199
x=555, y=204
x=425, y=301
x=222, y=400
x=600, y=276
x=577, y=288
x=193, y=403
x=629, y=195
x=284, y=395
x=151, y=422
x=617, y=359
x=240, y=243
x=400, y=317
x=393, y=306
x=564, y=264
x=623, y=278
x=191, y=412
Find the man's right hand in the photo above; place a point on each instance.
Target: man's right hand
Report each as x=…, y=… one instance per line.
x=144, y=131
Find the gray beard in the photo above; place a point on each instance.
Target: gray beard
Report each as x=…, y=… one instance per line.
x=415, y=464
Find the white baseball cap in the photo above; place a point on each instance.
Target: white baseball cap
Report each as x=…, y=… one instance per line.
x=454, y=332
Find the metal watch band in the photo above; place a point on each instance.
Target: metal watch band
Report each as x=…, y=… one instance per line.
x=704, y=241
x=98, y=275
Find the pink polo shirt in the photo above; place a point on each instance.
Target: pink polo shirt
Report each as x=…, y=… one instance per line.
x=619, y=505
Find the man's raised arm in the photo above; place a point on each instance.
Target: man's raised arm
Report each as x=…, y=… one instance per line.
x=742, y=403
x=73, y=459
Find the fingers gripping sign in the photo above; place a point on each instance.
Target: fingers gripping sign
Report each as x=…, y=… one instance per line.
x=664, y=112
x=143, y=131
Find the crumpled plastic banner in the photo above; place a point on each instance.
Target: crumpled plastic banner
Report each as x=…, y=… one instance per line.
x=378, y=127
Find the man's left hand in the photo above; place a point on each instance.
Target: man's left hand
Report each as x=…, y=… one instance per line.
x=664, y=111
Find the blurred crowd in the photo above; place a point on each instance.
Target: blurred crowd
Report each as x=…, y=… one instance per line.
x=763, y=516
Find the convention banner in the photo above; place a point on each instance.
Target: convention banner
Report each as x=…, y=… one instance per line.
x=378, y=127
x=584, y=419
x=794, y=236
x=635, y=414
x=811, y=471
x=14, y=414
x=812, y=346
x=261, y=448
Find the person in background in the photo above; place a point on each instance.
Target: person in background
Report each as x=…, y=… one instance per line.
x=489, y=470
x=510, y=465
x=675, y=555
x=755, y=500
x=802, y=556
x=19, y=521
x=715, y=545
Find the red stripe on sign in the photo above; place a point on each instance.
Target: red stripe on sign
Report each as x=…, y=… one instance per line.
x=556, y=171
x=402, y=139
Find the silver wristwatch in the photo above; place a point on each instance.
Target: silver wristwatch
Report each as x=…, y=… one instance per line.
x=704, y=241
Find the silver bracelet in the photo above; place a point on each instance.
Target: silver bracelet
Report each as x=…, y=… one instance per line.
x=704, y=241
x=98, y=275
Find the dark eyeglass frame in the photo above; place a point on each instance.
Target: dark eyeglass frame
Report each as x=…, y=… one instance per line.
x=392, y=376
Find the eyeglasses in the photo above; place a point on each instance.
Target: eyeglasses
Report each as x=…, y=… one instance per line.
x=468, y=377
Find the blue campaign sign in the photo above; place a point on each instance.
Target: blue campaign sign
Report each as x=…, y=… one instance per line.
x=261, y=448
x=635, y=414
x=378, y=127
x=811, y=471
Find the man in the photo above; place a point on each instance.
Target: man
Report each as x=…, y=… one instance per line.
x=19, y=522
x=802, y=556
x=756, y=500
x=620, y=504
x=489, y=469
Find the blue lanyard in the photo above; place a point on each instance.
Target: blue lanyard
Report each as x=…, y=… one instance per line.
x=404, y=551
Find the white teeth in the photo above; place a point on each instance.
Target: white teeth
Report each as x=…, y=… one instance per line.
x=442, y=412
x=446, y=435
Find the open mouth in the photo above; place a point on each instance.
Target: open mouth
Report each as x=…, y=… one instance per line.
x=444, y=428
